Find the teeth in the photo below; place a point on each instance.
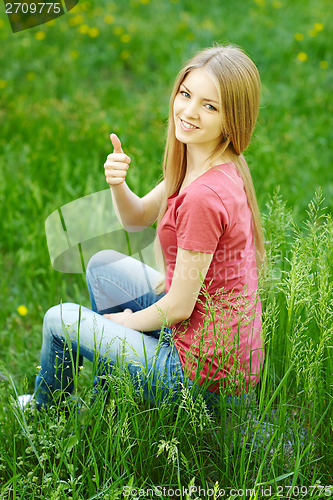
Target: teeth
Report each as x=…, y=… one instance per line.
x=187, y=125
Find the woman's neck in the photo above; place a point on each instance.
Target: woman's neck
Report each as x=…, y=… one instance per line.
x=198, y=160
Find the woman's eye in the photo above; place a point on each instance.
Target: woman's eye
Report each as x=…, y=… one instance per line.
x=210, y=107
x=184, y=93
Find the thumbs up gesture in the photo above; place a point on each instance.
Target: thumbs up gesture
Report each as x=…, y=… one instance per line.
x=116, y=164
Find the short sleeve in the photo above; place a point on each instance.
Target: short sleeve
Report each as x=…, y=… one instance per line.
x=201, y=220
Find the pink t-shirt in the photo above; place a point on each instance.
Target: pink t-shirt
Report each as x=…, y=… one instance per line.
x=221, y=341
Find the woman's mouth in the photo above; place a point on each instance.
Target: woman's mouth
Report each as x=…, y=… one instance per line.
x=187, y=126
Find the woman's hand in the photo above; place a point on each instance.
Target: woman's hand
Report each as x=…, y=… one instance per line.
x=119, y=317
x=116, y=164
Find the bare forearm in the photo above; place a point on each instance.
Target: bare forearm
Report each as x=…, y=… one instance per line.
x=128, y=206
x=178, y=304
x=163, y=312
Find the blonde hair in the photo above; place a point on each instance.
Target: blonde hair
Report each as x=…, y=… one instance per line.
x=238, y=83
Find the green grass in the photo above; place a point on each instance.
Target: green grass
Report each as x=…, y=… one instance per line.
x=61, y=96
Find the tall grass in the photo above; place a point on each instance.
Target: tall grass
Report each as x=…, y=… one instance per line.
x=278, y=440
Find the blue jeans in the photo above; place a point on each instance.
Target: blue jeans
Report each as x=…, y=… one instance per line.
x=71, y=332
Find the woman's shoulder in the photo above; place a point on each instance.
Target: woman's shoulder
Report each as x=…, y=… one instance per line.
x=219, y=184
x=224, y=180
x=225, y=175
x=228, y=187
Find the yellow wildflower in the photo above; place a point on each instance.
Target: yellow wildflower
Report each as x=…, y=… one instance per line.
x=312, y=33
x=109, y=19
x=93, y=32
x=30, y=76
x=85, y=6
x=118, y=30
x=302, y=56
x=74, y=21
x=323, y=64
x=145, y=1
x=1, y=23
x=3, y=84
x=22, y=310
x=125, y=38
x=276, y=4
x=40, y=35
x=84, y=29
x=299, y=36
x=318, y=26
x=124, y=55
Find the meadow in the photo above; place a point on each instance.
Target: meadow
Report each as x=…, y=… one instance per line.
x=109, y=67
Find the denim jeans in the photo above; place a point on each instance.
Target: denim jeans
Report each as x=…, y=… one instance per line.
x=71, y=332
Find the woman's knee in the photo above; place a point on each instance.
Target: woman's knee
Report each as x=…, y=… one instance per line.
x=60, y=316
x=99, y=261
x=51, y=318
x=103, y=258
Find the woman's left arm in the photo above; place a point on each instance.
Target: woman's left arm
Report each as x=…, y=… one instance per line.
x=177, y=305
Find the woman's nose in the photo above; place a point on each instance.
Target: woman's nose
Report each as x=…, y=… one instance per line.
x=191, y=110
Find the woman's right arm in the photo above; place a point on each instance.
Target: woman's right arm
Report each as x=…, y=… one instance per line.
x=134, y=213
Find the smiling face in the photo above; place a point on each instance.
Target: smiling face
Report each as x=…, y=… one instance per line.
x=197, y=111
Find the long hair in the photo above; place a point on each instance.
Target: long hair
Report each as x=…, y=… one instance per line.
x=238, y=84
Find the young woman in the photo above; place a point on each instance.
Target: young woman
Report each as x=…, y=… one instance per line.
x=201, y=324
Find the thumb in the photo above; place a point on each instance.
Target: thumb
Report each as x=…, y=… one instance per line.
x=116, y=143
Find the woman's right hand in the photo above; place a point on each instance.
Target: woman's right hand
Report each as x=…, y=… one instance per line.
x=116, y=164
